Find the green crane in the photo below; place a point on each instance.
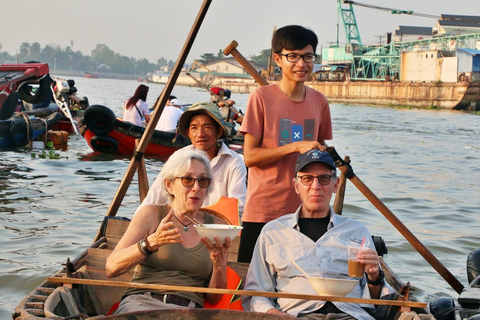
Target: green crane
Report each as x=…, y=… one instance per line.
x=367, y=62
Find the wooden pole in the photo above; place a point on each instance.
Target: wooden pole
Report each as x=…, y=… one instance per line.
x=200, y=83
x=124, y=284
x=340, y=196
x=159, y=106
x=232, y=49
x=142, y=176
x=427, y=255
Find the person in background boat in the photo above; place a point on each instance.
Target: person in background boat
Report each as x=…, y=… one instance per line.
x=48, y=99
x=316, y=239
x=169, y=118
x=170, y=97
x=227, y=112
x=165, y=248
x=135, y=108
x=281, y=121
x=202, y=124
x=230, y=115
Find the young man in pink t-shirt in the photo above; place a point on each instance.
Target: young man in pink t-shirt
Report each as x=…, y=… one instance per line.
x=282, y=120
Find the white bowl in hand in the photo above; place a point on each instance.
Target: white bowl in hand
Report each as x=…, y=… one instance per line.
x=332, y=287
x=219, y=230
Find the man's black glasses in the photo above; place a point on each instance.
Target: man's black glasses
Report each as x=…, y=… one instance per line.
x=294, y=57
x=323, y=179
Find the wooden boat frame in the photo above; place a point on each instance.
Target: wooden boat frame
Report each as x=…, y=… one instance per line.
x=69, y=295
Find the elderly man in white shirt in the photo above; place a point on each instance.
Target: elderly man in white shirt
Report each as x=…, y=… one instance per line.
x=202, y=124
x=316, y=239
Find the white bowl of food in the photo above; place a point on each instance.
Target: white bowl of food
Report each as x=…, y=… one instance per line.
x=332, y=287
x=220, y=230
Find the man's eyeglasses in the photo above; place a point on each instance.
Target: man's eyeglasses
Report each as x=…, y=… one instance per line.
x=294, y=57
x=323, y=179
x=187, y=182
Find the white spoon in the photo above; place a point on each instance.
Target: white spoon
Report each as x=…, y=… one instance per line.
x=298, y=267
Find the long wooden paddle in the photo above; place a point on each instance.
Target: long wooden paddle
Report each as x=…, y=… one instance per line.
x=434, y=262
x=124, y=284
x=159, y=106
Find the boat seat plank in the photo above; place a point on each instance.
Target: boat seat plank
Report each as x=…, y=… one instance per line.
x=115, y=230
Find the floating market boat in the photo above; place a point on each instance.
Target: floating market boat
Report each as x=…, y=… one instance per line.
x=32, y=103
x=106, y=133
x=82, y=290
x=15, y=83
x=21, y=129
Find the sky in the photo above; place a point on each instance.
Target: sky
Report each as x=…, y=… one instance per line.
x=153, y=29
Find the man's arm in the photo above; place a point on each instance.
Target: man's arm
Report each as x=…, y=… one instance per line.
x=256, y=156
x=370, y=258
x=259, y=278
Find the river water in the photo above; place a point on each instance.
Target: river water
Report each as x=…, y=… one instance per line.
x=423, y=164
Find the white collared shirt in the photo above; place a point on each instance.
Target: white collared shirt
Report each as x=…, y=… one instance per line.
x=281, y=241
x=229, y=180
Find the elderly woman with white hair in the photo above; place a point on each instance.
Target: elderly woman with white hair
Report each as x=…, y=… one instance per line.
x=164, y=247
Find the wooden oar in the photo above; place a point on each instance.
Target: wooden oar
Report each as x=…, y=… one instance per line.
x=204, y=86
x=142, y=176
x=232, y=49
x=200, y=83
x=340, y=195
x=124, y=284
x=434, y=262
x=159, y=106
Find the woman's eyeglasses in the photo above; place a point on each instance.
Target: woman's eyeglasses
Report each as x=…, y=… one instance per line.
x=187, y=182
x=323, y=179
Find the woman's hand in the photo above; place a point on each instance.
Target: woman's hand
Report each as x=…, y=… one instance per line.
x=218, y=251
x=166, y=233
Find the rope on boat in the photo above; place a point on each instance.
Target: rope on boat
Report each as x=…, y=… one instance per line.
x=27, y=120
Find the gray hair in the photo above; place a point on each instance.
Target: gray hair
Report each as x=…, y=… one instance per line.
x=178, y=163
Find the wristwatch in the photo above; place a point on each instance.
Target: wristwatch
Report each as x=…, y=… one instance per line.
x=379, y=280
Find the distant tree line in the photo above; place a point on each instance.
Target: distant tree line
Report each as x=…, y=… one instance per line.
x=102, y=59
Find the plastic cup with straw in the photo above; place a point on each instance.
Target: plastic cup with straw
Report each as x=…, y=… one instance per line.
x=356, y=269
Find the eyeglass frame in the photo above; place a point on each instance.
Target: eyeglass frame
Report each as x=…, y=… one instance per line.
x=182, y=179
x=330, y=178
x=300, y=56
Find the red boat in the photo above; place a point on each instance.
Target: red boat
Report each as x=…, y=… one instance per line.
x=105, y=133
x=91, y=75
x=15, y=83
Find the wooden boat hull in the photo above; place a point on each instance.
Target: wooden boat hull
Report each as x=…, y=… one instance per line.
x=51, y=300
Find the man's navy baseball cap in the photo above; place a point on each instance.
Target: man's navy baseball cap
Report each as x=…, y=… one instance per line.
x=312, y=156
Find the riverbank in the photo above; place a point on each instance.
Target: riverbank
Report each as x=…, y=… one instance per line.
x=436, y=95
